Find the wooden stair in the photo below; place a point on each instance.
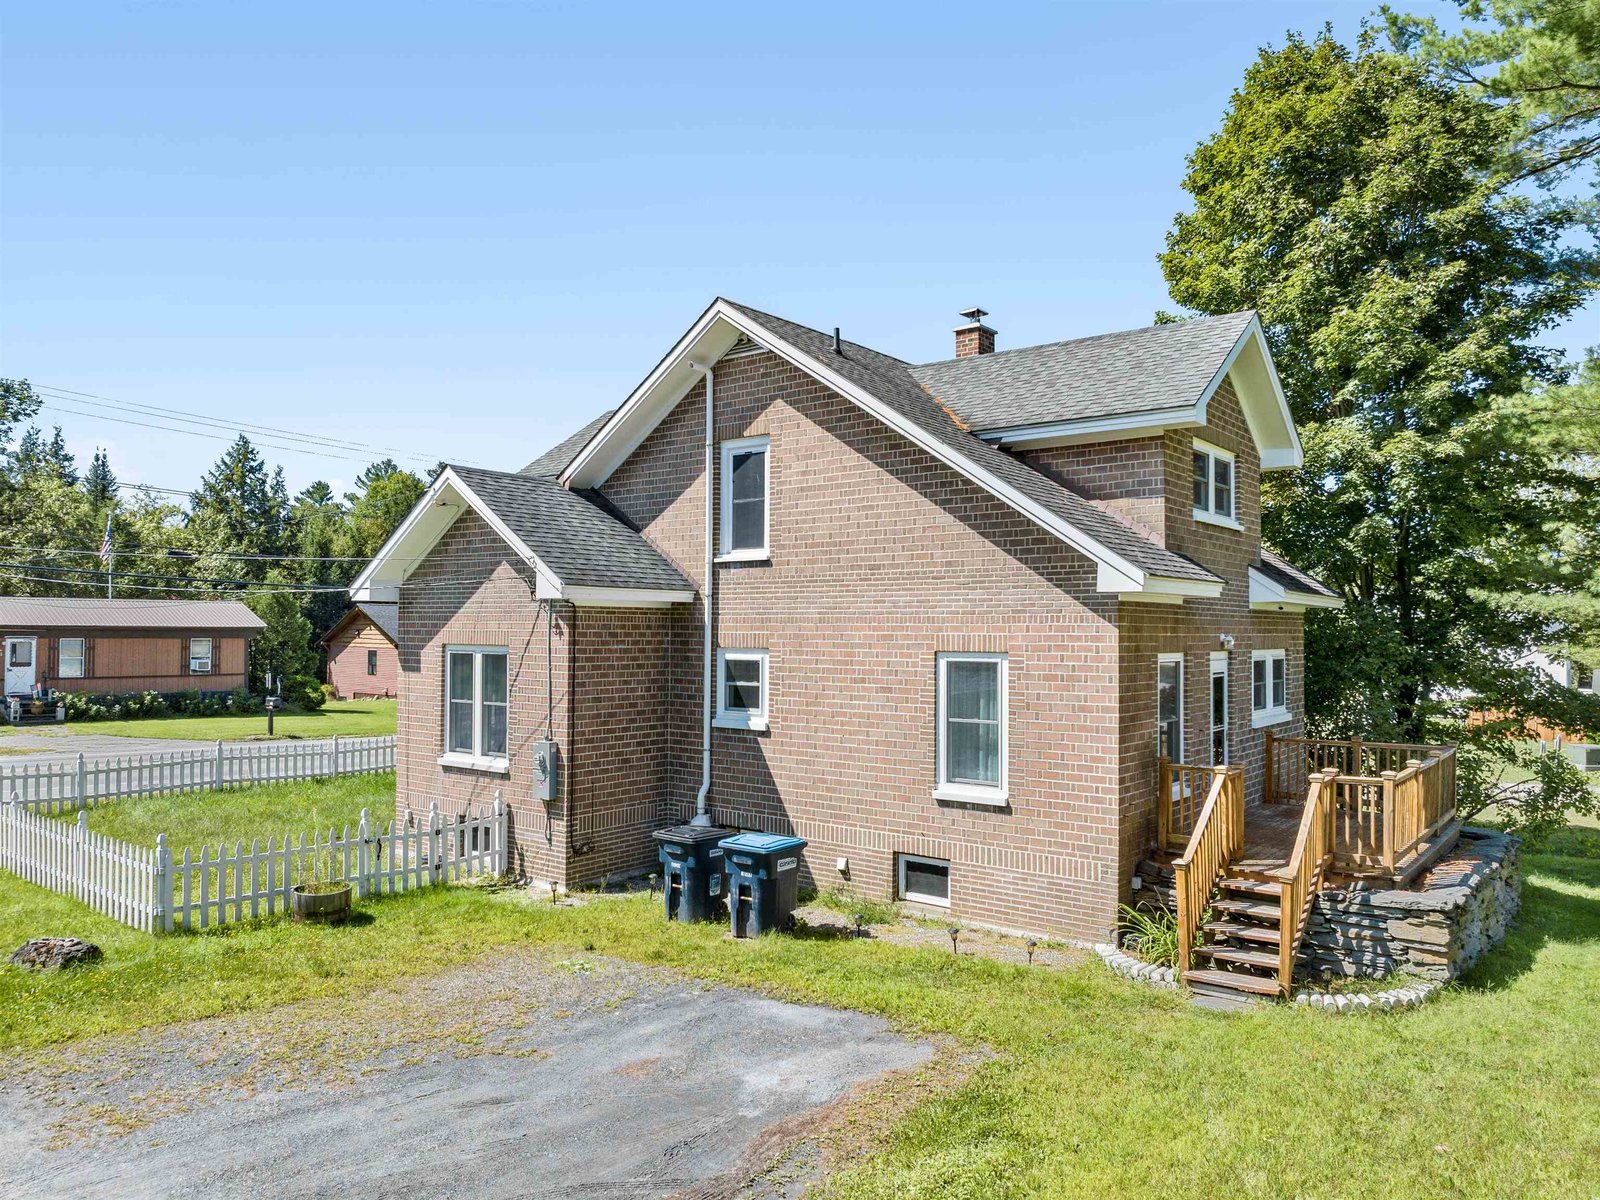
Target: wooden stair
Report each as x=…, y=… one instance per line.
x=1241, y=948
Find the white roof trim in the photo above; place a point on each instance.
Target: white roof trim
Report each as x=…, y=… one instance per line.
x=717, y=329
x=1267, y=595
x=1255, y=378
x=441, y=505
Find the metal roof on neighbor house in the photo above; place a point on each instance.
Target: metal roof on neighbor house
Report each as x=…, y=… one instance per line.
x=573, y=533
x=893, y=382
x=63, y=612
x=1149, y=370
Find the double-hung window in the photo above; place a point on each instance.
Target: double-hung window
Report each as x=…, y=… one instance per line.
x=1169, y=707
x=70, y=658
x=199, y=656
x=1214, y=485
x=741, y=689
x=745, y=496
x=475, y=707
x=972, y=728
x=1269, y=687
x=372, y=662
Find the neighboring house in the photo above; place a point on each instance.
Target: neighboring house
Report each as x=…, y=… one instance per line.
x=362, y=657
x=959, y=611
x=125, y=645
x=1583, y=679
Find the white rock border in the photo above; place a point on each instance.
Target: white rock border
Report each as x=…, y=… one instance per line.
x=1135, y=969
x=1413, y=995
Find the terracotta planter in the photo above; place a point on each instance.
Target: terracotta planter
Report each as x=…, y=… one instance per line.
x=319, y=906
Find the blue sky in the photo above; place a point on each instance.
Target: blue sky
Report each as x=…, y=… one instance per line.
x=461, y=230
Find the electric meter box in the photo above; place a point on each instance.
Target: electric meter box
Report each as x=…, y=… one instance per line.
x=546, y=771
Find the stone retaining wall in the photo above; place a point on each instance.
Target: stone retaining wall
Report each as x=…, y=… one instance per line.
x=1437, y=930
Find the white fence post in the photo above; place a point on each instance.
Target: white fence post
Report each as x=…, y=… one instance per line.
x=333, y=757
x=79, y=874
x=363, y=854
x=82, y=797
x=499, y=835
x=162, y=891
x=216, y=777
x=435, y=860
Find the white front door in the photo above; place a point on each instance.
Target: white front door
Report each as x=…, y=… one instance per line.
x=20, y=670
x=1219, y=708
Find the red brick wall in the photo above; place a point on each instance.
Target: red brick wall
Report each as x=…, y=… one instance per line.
x=1126, y=478
x=347, y=660
x=471, y=590
x=881, y=558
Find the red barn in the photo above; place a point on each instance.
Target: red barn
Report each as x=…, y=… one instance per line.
x=362, y=658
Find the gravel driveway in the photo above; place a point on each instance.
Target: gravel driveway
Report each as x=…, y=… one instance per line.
x=531, y=1076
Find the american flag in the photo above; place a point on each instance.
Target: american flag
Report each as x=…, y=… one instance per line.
x=105, y=543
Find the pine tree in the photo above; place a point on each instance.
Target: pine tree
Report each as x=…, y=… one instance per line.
x=316, y=531
x=100, y=483
x=236, y=510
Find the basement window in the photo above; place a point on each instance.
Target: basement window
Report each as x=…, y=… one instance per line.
x=70, y=665
x=741, y=689
x=924, y=880
x=1214, y=485
x=1269, y=687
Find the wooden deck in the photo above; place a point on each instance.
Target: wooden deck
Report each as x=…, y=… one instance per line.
x=1269, y=834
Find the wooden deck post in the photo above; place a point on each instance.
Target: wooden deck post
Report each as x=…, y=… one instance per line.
x=1163, y=801
x=1386, y=815
x=1269, y=787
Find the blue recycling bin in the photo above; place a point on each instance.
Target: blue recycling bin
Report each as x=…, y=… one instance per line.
x=763, y=879
x=691, y=871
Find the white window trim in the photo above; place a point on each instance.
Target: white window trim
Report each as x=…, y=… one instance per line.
x=193, y=657
x=82, y=656
x=1220, y=666
x=498, y=764
x=725, y=533
x=972, y=793
x=740, y=718
x=1207, y=514
x=1162, y=660
x=1272, y=714
x=921, y=897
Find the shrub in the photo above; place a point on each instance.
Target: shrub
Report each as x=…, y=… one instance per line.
x=136, y=705
x=1157, y=932
x=305, y=692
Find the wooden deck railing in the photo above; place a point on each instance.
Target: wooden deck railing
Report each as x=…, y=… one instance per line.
x=1302, y=877
x=1218, y=836
x=1290, y=762
x=1181, y=792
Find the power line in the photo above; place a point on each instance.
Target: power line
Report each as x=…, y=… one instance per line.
x=189, y=554
x=188, y=416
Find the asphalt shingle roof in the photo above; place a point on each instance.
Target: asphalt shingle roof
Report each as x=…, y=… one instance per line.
x=385, y=615
x=75, y=612
x=893, y=382
x=581, y=541
x=1286, y=575
x=558, y=458
x=1113, y=374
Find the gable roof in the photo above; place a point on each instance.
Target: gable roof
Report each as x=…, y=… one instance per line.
x=78, y=612
x=883, y=385
x=1155, y=369
x=580, y=550
x=1276, y=583
x=384, y=615
x=558, y=458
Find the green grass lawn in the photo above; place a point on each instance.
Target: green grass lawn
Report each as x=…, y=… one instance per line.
x=347, y=718
x=1095, y=1086
x=205, y=818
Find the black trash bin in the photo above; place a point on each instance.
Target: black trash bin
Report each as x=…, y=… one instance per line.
x=691, y=871
x=763, y=876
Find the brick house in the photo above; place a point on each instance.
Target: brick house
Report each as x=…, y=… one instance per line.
x=958, y=612
x=363, y=651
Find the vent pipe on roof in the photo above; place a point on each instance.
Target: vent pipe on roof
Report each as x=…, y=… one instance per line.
x=838, y=346
x=974, y=337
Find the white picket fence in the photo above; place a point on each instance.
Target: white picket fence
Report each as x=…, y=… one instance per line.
x=79, y=783
x=150, y=890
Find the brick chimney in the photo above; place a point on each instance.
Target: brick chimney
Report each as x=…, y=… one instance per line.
x=974, y=337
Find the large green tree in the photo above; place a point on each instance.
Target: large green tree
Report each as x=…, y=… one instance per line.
x=1351, y=198
x=1540, y=58
x=238, y=509
x=386, y=496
